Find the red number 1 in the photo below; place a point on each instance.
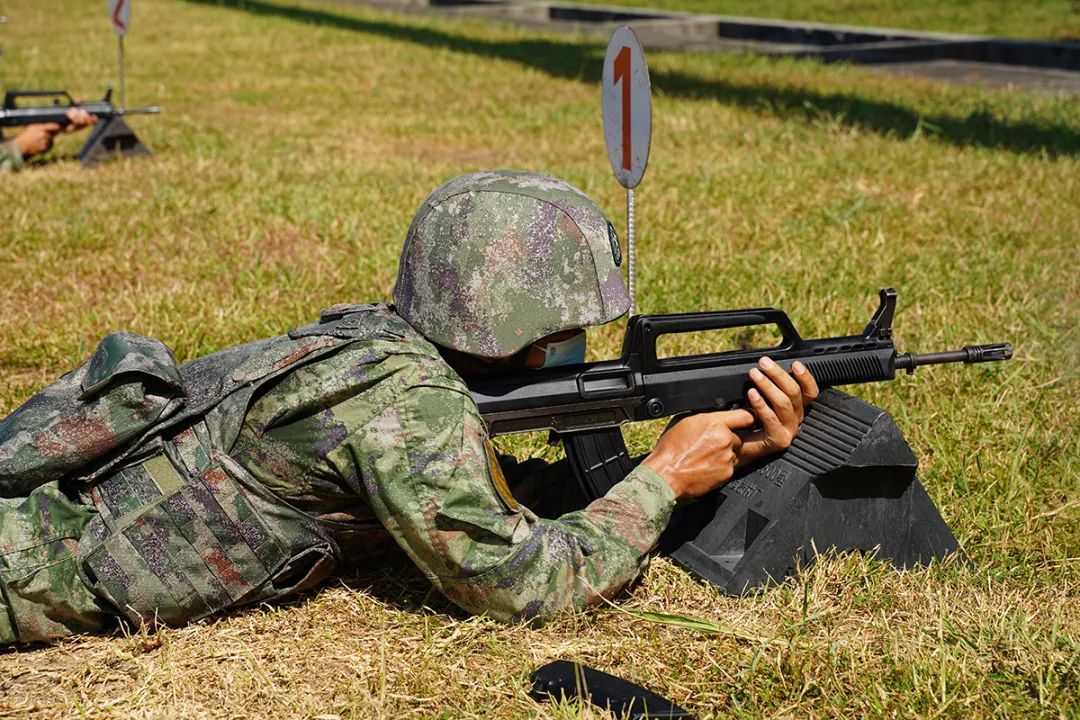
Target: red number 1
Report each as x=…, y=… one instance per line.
x=116, y=16
x=622, y=73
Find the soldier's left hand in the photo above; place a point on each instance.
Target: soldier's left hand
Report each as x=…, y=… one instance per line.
x=78, y=119
x=779, y=401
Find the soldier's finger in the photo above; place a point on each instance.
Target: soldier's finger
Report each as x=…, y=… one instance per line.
x=736, y=419
x=806, y=381
x=770, y=422
x=784, y=381
x=780, y=402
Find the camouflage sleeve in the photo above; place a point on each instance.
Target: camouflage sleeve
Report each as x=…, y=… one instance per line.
x=431, y=478
x=10, y=157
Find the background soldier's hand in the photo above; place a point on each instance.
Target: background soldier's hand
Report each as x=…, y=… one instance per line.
x=79, y=118
x=779, y=402
x=36, y=139
x=701, y=452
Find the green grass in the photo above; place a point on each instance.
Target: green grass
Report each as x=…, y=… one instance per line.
x=1046, y=19
x=297, y=142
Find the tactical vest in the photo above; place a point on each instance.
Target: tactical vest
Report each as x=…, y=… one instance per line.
x=183, y=530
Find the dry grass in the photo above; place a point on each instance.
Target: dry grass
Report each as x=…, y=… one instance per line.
x=295, y=147
x=923, y=644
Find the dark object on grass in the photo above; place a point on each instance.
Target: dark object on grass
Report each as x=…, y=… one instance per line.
x=109, y=139
x=847, y=482
x=625, y=699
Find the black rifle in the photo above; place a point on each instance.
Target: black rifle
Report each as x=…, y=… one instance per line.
x=14, y=115
x=110, y=138
x=848, y=481
x=585, y=405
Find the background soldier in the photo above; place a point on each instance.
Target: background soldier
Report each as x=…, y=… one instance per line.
x=155, y=492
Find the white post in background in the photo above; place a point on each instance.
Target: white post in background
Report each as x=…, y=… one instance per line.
x=123, y=99
x=630, y=250
x=120, y=16
x=625, y=97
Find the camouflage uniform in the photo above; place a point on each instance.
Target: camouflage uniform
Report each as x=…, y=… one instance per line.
x=164, y=493
x=10, y=157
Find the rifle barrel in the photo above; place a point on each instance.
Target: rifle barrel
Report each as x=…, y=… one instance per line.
x=13, y=117
x=968, y=354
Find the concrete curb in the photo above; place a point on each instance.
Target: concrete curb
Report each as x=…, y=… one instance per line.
x=828, y=43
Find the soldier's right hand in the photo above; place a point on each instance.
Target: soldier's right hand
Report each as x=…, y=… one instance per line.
x=36, y=139
x=699, y=452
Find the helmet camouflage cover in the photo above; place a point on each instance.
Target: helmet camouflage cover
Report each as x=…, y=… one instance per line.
x=497, y=260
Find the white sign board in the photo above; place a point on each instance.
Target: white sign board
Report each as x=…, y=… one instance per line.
x=120, y=15
x=627, y=107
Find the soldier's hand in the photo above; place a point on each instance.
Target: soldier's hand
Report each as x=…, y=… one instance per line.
x=36, y=139
x=700, y=452
x=779, y=402
x=78, y=119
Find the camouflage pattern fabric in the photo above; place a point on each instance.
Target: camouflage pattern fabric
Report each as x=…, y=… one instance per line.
x=168, y=547
x=74, y=421
x=285, y=459
x=10, y=157
x=42, y=595
x=495, y=260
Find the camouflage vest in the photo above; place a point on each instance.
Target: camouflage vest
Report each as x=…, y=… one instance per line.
x=183, y=530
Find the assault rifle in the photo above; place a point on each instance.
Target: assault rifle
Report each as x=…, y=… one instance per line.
x=109, y=138
x=12, y=115
x=584, y=406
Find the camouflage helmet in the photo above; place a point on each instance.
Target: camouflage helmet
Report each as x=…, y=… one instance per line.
x=497, y=260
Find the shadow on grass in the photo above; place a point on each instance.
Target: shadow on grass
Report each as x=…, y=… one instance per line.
x=579, y=62
x=401, y=586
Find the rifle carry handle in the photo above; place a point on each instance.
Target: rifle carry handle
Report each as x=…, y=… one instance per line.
x=647, y=329
x=11, y=96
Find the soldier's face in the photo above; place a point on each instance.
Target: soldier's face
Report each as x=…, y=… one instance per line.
x=533, y=357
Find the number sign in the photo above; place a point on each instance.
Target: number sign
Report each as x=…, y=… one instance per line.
x=627, y=107
x=120, y=15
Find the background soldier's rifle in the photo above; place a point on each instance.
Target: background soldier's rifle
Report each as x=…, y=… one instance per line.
x=847, y=482
x=110, y=137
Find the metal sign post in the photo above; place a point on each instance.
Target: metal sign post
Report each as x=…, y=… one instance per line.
x=626, y=102
x=120, y=16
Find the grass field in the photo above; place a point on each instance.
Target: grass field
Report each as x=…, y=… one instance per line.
x=1046, y=19
x=298, y=140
